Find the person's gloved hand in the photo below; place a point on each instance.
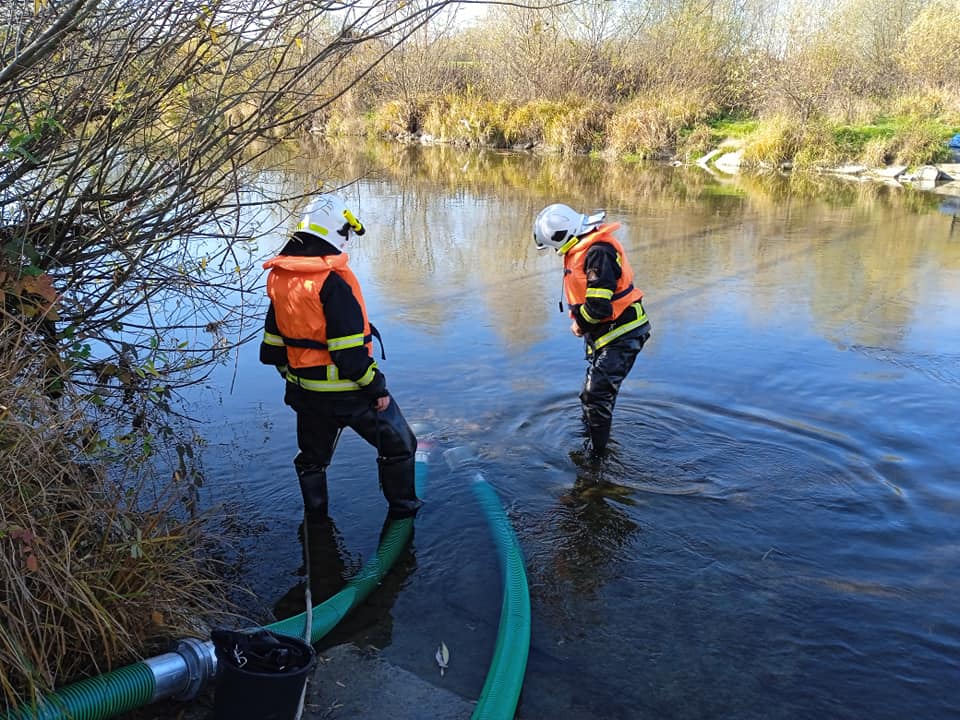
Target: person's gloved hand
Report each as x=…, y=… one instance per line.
x=381, y=403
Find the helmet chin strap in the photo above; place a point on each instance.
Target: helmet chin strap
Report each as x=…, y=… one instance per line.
x=568, y=244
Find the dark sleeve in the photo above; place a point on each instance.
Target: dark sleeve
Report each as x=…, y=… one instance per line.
x=272, y=349
x=345, y=336
x=603, y=272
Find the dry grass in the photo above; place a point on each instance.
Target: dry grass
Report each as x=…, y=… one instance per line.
x=572, y=126
x=818, y=144
x=94, y=573
x=650, y=126
x=942, y=105
x=783, y=139
x=467, y=120
x=877, y=152
x=697, y=143
x=341, y=125
x=920, y=143
x=677, y=123
x=396, y=118
x=530, y=123
x=582, y=128
x=777, y=141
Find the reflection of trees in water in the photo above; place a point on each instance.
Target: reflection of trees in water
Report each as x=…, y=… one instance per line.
x=454, y=230
x=412, y=254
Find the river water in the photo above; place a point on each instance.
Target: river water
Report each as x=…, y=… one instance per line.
x=774, y=533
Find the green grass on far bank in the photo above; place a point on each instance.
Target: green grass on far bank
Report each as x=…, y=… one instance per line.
x=903, y=140
x=890, y=140
x=736, y=128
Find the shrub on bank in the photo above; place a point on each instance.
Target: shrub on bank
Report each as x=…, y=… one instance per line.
x=904, y=142
x=94, y=574
x=938, y=104
x=818, y=143
x=530, y=123
x=775, y=142
x=573, y=126
x=467, y=120
x=920, y=143
x=396, y=118
x=582, y=128
x=339, y=124
x=696, y=142
x=650, y=126
x=783, y=140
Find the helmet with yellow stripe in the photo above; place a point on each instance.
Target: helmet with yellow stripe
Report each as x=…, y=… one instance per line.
x=328, y=218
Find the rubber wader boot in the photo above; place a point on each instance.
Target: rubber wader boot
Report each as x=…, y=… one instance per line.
x=397, y=483
x=599, y=436
x=313, y=487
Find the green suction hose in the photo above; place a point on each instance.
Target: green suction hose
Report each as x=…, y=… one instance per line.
x=98, y=697
x=327, y=614
x=181, y=674
x=501, y=691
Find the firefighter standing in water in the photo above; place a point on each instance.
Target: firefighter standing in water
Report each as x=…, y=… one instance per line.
x=605, y=307
x=318, y=336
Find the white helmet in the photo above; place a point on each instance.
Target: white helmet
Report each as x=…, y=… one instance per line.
x=328, y=218
x=557, y=224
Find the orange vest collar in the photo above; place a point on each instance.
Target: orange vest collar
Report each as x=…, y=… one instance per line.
x=604, y=229
x=307, y=263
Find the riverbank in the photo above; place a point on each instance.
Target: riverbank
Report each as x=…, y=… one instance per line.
x=359, y=683
x=939, y=178
x=909, y=147
x=348, y=682
x=748, y=150
x=677, y=128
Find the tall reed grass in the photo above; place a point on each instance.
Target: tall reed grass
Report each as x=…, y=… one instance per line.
x=650, y=125
x=95, y=571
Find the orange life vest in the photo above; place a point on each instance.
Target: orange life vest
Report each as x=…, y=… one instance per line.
x=575, y=277
x=293, y=285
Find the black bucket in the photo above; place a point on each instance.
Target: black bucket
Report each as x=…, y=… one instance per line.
x=260, y=675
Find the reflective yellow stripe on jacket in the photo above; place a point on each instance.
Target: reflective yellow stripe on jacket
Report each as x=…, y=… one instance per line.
x=620, y=330
x=271, y=339
x=333, y=383
x=601, y=292
x=345, y=342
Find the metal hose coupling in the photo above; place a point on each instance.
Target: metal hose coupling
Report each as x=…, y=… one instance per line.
x=181, y=674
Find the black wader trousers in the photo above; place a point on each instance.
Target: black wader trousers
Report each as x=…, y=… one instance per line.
x=607, y=369
x=320, y=418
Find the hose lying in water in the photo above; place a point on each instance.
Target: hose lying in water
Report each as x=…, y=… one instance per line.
x=180, y=675
x=501, y=690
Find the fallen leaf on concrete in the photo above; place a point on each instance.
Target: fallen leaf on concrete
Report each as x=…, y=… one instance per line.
x=443, y=657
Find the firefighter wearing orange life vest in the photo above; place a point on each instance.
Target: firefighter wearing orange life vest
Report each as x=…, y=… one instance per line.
x=318, y=336
x=606, y=309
